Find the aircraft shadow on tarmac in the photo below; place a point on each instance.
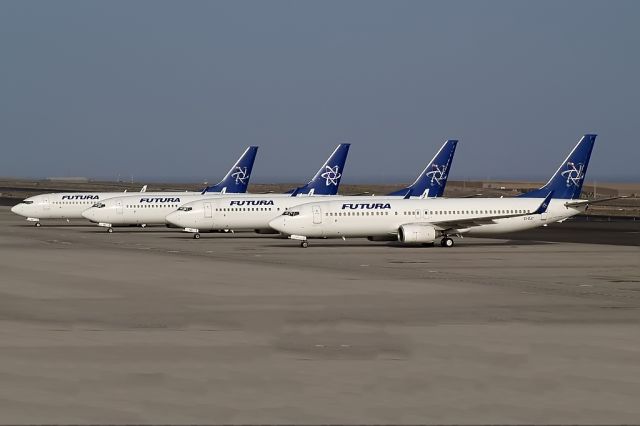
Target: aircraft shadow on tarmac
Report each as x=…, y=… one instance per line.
x=321, y=244
x=56, y=225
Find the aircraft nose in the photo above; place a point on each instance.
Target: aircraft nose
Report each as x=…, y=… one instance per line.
x=173, y=218
x=279, y=224
x=89, y=214
x=16, y=209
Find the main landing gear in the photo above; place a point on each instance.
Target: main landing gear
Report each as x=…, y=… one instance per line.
x=196, y=236
x=446, y=242
x=37, y=225
x=304, y=244
x=110, y=230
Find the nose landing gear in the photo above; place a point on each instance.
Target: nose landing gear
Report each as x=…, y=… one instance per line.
x=196, y=236
x=304, y=244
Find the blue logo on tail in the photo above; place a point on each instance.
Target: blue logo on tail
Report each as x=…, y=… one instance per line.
x=327, y=180
x=566, y=183
x=241, y=175
x=574, y=174
x=433, y=179
x=237, y=179
x=438, y=175
x=332, y=175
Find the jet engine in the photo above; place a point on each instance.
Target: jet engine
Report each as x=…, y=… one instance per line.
x=417, y=234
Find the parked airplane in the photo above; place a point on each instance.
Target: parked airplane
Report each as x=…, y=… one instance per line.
x=136, y=210
x=255, y=212
x=424, y=221
x=70, y=205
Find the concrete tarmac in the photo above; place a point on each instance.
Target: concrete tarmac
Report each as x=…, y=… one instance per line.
x=151, y=326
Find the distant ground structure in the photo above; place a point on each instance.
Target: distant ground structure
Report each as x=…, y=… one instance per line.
x=73, y=179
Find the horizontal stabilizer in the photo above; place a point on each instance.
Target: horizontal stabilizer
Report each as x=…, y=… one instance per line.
x=578, y=203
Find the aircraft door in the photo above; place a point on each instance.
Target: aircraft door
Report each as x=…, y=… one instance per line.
x=544, y=216
x=207, y=209
x=46, y=204
x=425, y=214
x=317, y=214
x=119, y=207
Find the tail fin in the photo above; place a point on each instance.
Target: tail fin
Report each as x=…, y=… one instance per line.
x=237, y=179
x=566, y=183
x=327, y=180
x=431, y=182
x=144, y=189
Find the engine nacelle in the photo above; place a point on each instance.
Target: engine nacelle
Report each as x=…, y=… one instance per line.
x=417, y=234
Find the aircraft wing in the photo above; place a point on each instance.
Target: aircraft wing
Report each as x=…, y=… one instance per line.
x=486, y=220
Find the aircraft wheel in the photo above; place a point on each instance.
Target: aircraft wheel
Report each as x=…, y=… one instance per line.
x=304, y=244
x=196, y=236
x=110, y=230
x=38, y=225
x=446, y=242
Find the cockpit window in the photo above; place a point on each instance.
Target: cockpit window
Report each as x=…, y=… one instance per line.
x=185, y=209
x=27, y=201
x=99, y=205
x=290, y=213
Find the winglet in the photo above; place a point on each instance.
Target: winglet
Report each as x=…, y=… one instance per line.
x=545, y=204
x=237, y=178
x=327, y=180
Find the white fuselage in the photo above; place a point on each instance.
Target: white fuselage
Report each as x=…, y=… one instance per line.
x=241, y=213
x=384, y=217
x=62, y=205
x=151, y=210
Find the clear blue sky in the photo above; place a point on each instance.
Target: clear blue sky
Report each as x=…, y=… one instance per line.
x=176, y=90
